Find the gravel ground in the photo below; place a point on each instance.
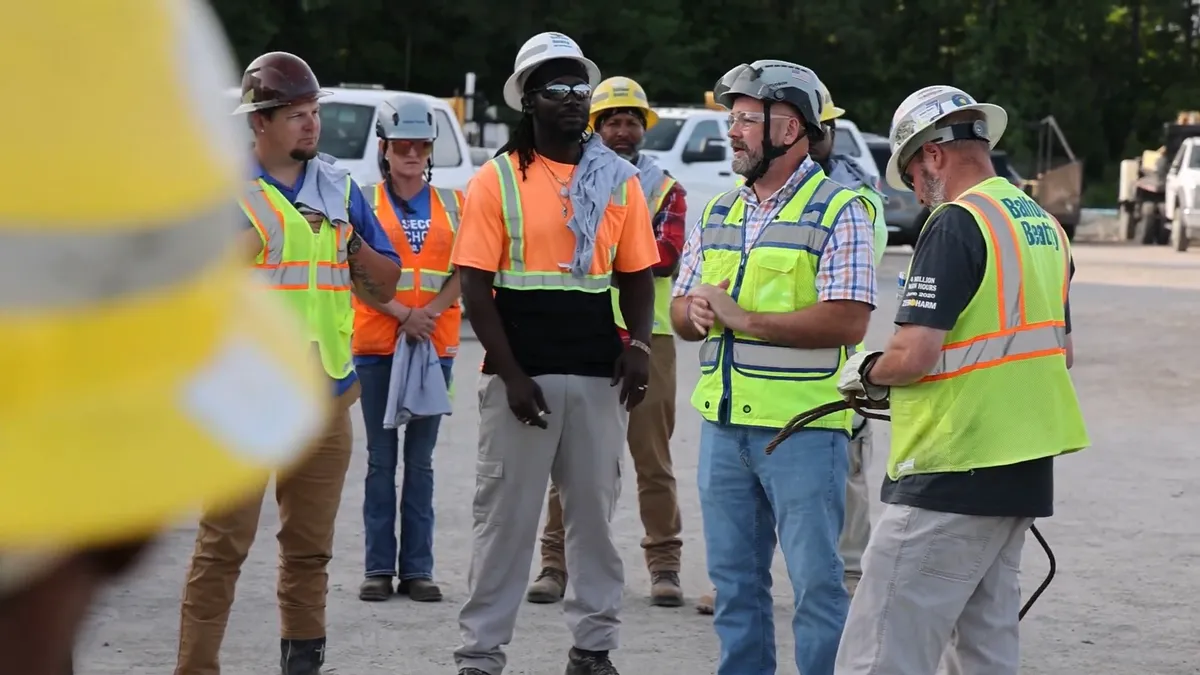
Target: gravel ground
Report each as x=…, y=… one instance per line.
x=1119, y=605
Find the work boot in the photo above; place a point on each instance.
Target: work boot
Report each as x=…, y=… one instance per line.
x=665, y=590
x=707, y=604
x=580, y=662
x=302, y=657
x=850, y=580
x=420, y=590
x=549, y=587
x=375, y=589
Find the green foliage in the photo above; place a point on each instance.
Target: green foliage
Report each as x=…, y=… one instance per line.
x=1111, y=73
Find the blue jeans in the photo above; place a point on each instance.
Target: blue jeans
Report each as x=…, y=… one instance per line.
x=414, y=560
x=746, y=498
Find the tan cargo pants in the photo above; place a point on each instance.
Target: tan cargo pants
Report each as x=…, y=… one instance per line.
x=308, y=498
x=651, y=426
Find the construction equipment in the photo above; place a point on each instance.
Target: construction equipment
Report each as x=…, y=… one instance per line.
x=1058, y=187
x=1142, y=193
x=872, y=409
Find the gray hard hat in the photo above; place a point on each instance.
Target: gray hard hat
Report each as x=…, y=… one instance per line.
x=774, y=81
x=406, y=117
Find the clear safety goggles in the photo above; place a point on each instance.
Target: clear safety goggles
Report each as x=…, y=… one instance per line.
x=744, y=119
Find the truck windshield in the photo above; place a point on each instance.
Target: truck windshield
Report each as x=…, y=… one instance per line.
x=662, y=135
x=347, y=127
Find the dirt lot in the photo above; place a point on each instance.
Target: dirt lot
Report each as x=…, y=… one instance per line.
x=1123, y=601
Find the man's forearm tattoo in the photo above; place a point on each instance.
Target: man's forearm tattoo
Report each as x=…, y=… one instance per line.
x=360, y=276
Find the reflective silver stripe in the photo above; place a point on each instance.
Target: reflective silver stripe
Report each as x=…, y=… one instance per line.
x=260, y=210
x=1043, y=340
x=42, y=270
x=1008, y=255
x=510, y=200
x=433, y=280
x=406, y=280
x=773, y=357
x=550, y=281
x=720, y=209
x=295, y=277
x=371, y=192
x=450, y=203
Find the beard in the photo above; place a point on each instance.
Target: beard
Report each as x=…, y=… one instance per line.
x=934, y=188
x=301, y=155
x=744, y=163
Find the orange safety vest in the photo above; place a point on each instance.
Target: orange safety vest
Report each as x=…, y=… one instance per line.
x=421, y=278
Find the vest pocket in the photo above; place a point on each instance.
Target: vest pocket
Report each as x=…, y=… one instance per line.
x=773, y=287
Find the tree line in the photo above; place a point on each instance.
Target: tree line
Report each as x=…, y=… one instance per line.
x=1111, y=73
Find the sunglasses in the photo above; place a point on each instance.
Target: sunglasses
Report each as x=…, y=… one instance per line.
x=404, y=147
x=560, y=92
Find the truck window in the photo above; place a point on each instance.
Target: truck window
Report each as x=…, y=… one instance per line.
x=346, y=128
x=705, y=129
x=662, y=136
x=844, y=144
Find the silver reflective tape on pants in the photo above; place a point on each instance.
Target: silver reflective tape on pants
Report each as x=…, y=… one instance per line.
x=1008, y=255
x=534, y=280
x=42, y=270
x=296, y=276
x=773, y=357
x=989, y=351
x=510, y=199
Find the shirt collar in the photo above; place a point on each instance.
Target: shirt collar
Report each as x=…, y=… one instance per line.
x=806, y=169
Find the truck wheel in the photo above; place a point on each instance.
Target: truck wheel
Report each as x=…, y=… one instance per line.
x=1149, y=225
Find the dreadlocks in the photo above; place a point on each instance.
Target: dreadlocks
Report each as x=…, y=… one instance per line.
x=521, y=142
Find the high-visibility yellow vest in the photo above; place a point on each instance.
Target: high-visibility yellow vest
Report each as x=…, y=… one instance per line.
x=662, y=285
x=310, y=271
x=874, y=204
x=1000, y=393
x=745, y=380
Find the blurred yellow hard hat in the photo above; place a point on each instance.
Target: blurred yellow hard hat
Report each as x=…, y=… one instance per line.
x=146, y=372
x=829, y=111
x=621, y=92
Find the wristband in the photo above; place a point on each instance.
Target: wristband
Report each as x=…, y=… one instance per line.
x=640, y=345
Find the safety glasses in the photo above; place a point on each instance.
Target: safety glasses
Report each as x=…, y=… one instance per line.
x=744, y=118
x=404, y=147
x=560, y=92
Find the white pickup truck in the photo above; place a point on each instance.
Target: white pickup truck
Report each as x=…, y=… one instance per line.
x=1182, y=197
x=692, y=144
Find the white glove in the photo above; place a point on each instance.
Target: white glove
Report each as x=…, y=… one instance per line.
x=851, y=384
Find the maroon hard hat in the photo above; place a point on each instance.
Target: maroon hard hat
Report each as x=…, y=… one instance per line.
x=277, y=79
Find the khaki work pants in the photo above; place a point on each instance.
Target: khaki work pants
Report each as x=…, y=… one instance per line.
x=857, y=528
x=651, y=425
x=308, y=498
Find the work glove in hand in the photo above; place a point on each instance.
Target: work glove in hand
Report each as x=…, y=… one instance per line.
x=851, y=383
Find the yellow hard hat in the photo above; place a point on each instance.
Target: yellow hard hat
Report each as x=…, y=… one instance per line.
x=829, y=111
x=146, y=372
x=621, y=92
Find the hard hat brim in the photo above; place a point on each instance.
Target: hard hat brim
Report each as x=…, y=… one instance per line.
x=832, y=113
x=651, y=116
x=264, y=105
x=515, y=84
x=98, y=453
x=997, y=121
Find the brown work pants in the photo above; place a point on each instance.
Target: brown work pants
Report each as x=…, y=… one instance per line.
x=650, y=427
x=308, y=496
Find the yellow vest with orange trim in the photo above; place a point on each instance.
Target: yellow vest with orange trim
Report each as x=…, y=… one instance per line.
x=662, y=285
x=422, y=274
x=1000, y=393
x=309, y=270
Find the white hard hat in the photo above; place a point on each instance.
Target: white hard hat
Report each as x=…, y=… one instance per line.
x=913, y=125
x=406, y=117
x=536, y=51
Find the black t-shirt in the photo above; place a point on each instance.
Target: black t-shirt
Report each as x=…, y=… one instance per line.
x=559, y=332
x=952, y=254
